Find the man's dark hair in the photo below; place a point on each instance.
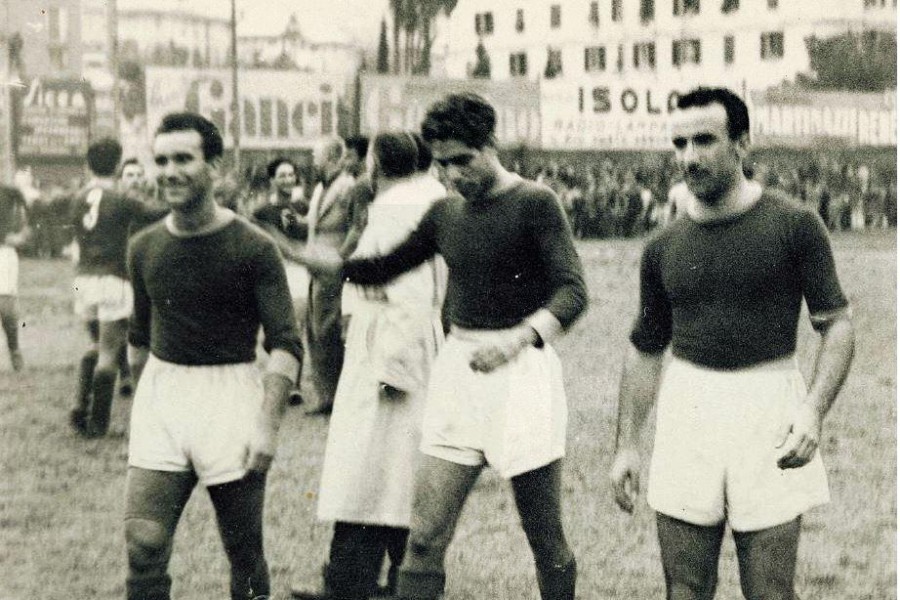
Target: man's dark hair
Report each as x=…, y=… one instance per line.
x=423, y=163
x=359, y=144
x=395, y=153
x=466, y=117
x=103, y=157
x=272, y=167
x=735, y=108
x=186, y=121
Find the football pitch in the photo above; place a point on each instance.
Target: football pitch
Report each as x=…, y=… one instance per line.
x=61, y=497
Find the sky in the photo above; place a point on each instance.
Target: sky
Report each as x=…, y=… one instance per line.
x=320, y=20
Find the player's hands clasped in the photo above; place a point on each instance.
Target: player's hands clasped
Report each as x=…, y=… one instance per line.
x=800, y=438
x=503, y=349
x=625, y=477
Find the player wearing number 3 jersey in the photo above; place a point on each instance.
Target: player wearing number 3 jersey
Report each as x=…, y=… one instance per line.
x=101, y=218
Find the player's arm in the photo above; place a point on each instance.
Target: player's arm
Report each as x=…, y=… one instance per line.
x=282, y=342
x=21, y=230
x=831, y=318
x=418, y=247
x=649, y=338
x=569, y=297
x=139, y=323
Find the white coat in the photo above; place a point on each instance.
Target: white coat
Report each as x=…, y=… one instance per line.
x=373, y=441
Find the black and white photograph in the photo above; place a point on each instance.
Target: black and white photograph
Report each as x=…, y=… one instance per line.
x=448, y=299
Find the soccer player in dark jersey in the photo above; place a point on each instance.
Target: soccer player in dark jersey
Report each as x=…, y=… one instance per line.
x=102, y=219
x=738, y=430
x=496, y=392
x=204, y=281
x=14, y=232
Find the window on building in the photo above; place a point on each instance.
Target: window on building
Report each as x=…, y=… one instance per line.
x=555, y=16
x=594, y=59
x=594, y=14
x=773, y=4
x=520, y=20
x=518, y=64
x=484, y=23
x=554, y=63
x=57, y=24
x=616, y=10
x=685, y=7
x=645, y=55
x=729, y=49
x=57, y=56
x=771, y=45
x=648, y=9
x=685, y=52
x=730, y=5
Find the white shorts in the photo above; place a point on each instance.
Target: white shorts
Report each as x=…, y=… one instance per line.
x=715, y=455
x=9, y=271
x=513, y=418
x=103, y=297
x=200, y=419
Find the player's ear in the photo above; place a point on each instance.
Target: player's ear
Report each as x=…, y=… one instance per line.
x=742, y=146
x=215, y=165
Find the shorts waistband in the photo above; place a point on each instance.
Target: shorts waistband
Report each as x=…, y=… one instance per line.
x=785, y=363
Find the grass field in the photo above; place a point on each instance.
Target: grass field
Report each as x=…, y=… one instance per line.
x=61, y=496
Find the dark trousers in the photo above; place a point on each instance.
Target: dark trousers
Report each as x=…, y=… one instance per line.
x=323, y=330
x=356, y=555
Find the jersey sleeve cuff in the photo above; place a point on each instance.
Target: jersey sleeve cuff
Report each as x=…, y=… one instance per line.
x=546, y=325
x=282, y=362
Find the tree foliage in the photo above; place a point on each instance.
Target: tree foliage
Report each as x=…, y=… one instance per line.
x=384, y=58
x=415, y=20
x=863, y=62
x=482, y=68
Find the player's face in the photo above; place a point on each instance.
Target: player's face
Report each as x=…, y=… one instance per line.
x=285, y=178
x=185, y=178
x=465, y=168
x=132, y=177
x=708, y=158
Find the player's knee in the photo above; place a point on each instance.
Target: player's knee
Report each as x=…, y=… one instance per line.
x=147, y=542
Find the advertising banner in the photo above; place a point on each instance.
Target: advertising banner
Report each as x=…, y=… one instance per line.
x=53, y=119
x=278, y=109
x=397, y=102
x=807, y=119
x=594, y=114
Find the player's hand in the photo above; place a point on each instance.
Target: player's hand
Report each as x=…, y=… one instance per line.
x=625, y=478
x=261, y=451
x=319, y=262
x=502, y=350
x=800, y=438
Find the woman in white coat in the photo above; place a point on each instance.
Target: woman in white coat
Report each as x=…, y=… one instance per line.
x=373, y=439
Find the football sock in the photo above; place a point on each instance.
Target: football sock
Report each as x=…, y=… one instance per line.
x=85, y=380
x=104, y=389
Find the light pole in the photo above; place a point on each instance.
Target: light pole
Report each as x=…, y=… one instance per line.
x=235, y=100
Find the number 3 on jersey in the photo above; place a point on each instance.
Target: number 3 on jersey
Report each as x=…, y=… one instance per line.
x=89, y=220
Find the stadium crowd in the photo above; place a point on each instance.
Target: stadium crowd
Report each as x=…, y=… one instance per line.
x=614, y=196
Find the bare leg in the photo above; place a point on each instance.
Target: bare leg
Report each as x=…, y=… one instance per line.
x=690, y=557
x=441, y=488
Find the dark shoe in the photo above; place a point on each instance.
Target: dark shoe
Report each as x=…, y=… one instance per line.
x=78, y=420
x=304, y=594
x=125, y=388
x=295, y=398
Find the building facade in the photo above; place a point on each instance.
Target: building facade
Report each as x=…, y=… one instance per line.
x=173, y=37
x=746, y=44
